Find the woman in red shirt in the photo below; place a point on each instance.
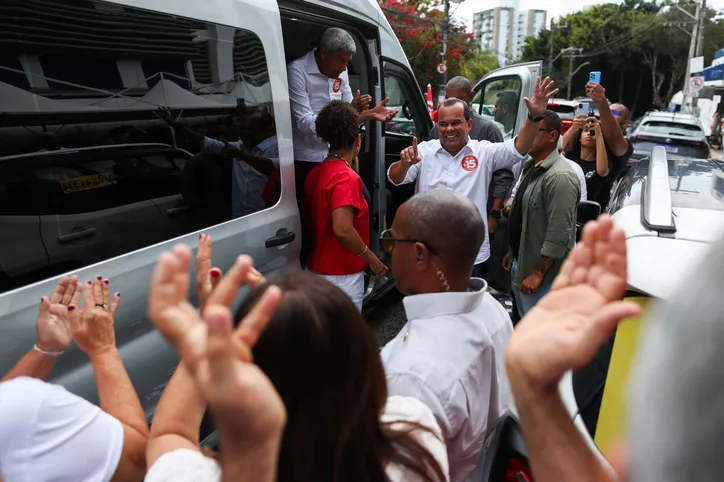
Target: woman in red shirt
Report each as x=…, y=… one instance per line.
x=335, y=207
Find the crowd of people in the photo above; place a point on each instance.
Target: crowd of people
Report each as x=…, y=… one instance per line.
x=296, y=385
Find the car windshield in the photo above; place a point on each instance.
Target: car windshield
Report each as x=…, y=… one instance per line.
x=695, y=184
x=664, y=127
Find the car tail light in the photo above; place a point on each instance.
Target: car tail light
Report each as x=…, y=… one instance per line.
x=565, y=125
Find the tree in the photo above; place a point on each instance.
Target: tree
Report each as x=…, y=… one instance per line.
x=418, y=25
x=478, y=65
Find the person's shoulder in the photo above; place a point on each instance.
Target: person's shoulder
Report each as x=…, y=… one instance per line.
x=299, y=62
x=428, y=147
x=401, y=408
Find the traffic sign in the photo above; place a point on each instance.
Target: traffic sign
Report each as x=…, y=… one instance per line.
x=696, y=83
x=441, y=68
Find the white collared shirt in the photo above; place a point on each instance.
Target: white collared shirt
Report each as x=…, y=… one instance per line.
x=451, y=356
x=248, y=183
x=467, y=173
x=309, y=92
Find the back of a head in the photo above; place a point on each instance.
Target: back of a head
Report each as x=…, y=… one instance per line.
x=553, y=121
x=450, y=223
x=461, y=83
x=676, y=419
x=509, y=98
x=321, y=356
x=338, y=124
x=337, y=40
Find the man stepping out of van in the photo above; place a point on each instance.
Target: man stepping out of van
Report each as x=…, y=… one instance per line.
x=457, y=163
x=449, y=355
x=314, y=80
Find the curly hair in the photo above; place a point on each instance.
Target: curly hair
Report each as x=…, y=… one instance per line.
x=338, y=124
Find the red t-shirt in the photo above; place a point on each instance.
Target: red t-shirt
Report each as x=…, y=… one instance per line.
x=331, y=185
x=272, y=189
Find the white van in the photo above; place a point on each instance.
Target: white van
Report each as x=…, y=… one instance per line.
x=92, y=182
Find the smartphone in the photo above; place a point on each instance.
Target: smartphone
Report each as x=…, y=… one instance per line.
x=595, y=77
x=582, y=108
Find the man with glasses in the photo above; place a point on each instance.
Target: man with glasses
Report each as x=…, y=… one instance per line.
x=457, y=163
x=449, y=355
x=543, y=217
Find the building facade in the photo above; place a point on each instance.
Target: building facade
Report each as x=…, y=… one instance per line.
x=503, y=29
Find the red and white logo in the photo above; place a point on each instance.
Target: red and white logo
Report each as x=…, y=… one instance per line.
x=470, y=163
x=337, y=85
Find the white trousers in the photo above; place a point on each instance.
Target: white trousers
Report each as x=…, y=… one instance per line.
x=352, y=284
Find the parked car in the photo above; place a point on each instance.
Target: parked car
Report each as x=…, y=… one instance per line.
x=92, y=183
x=566, y=110
x=680, y=134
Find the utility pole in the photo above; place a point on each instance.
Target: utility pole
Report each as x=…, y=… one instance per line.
x=443, y=55
x=692, y=49
x=550, y=57
x=701, y=23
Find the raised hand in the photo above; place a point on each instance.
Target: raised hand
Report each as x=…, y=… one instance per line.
x=596, y=93
x=54, y=331
x=206, y=277
x=567, y=327
x=379, y=113
x=361, y=102
x=93, y=328
x=542, y=93
x=164, y=113
x=580, y=122
x=410, y=156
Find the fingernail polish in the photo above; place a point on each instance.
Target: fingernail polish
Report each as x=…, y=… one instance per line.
x=99, y=278
x=71, y=308
x=106, y=281
x=201, y=236
x=214, y=273
x=89, y=282
x=118, y=295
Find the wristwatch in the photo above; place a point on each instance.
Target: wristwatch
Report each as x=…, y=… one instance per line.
x=535, y=119
x=495, y=214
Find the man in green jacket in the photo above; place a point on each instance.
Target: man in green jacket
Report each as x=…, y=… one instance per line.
x=543, y=217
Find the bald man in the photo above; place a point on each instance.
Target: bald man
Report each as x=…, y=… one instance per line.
x=449, y=355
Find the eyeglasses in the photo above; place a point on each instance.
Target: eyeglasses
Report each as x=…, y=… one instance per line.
x=388, y=242
x=616, y=112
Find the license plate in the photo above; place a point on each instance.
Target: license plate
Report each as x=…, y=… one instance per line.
x=671, y=149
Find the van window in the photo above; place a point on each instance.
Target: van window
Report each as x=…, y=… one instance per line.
x=124, y=128
x=498, y=102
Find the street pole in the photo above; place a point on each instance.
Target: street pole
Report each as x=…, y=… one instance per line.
x=701, y=23
x=445, y=27
x=692, y=51
x=550, y=58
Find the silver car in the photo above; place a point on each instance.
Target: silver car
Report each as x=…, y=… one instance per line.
x=680, y=134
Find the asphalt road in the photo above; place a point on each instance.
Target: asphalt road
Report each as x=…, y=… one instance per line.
x=388, y=317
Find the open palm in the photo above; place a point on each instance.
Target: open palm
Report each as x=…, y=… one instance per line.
x=542, y=93
x=567, y=327
x=53, y=323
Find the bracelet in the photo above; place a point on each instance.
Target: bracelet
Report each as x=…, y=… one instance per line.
x=47, y=353
x=363, y=252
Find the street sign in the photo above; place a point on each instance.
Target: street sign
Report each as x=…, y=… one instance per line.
x=695, y=84
x=441, y=68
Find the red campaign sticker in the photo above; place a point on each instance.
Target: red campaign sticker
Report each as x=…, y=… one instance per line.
x=470, y=163
x=337, y=85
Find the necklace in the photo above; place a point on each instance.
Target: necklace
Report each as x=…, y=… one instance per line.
x=335, y=156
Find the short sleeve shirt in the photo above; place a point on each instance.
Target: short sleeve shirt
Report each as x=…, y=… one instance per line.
x=48, y=433
x=329, y=186
x=594, y=183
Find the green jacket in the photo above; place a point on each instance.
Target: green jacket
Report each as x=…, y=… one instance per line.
x=549, y=216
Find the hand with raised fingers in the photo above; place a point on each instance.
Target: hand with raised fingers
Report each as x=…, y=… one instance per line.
x=54, y=331
x=542, y=93
x=379, y=113
x=93, y=328
x=567, y=327
x=596, y=93
x=410, y=156
x=206, y=277
x=361, y=102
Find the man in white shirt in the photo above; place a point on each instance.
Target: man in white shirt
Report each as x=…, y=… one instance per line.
x=314, y=80
x=450, y=354
x=457, y=163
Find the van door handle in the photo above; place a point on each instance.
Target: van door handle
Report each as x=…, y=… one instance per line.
x=67, y=238
x=282, y=237
x=180, y=210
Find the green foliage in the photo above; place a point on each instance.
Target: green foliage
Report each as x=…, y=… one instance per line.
x=640, y=46
x=419, y=26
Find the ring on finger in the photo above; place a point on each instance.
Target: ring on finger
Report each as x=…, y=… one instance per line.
x=102, y=305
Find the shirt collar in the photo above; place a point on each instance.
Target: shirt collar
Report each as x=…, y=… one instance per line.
x=266, y=143
x=432, y=305
x=466, y=146
x=312, y=66
x=547, y=162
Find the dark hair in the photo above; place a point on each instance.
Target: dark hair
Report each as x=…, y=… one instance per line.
x=321, y=356
x=452, y=101
x=509, y=98
x=338, y=124
x=553, y=121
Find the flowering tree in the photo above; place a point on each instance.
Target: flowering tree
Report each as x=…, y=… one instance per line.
x=419, y=26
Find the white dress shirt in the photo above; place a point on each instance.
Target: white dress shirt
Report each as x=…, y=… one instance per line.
x=467, y=173
x=248, y=184
x=50, y=434
x=450, y=356
x=404, y=414
x=309, y=92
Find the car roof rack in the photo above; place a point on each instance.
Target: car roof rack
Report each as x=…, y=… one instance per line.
x=656, y=205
